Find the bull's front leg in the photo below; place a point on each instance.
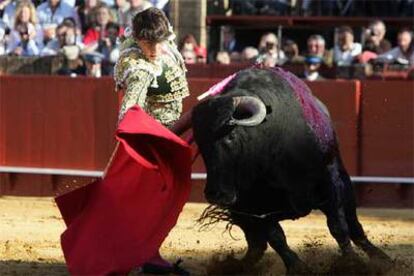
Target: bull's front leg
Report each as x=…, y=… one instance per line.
x=277, y=240
x=256, y=239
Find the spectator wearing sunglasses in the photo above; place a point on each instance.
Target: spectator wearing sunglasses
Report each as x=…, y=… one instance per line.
x=26, y=45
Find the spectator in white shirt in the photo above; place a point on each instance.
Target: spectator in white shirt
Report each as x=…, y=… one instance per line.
x=404, y=52
x=346, y=49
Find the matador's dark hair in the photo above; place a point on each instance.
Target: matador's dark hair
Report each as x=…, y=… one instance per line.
x=152, y=25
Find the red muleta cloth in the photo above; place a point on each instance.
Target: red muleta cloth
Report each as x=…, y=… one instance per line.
x=119, y=222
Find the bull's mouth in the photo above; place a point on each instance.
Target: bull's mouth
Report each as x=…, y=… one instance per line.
x=221, y=199
x=224, y=202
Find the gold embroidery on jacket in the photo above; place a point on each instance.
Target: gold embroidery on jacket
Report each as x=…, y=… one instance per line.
x=135, y=74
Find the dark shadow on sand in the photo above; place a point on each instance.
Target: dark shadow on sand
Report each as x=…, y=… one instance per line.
x=16, y=267
x=321, y=260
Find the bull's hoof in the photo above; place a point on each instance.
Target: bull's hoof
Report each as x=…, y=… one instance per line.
x=380, y=263
x=298, y=268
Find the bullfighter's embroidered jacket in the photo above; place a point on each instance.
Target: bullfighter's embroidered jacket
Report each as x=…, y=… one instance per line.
x=158, y=86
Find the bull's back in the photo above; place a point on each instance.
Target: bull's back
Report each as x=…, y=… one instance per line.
x=292, y=105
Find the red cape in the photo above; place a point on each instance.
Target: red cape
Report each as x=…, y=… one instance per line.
x=119, y=222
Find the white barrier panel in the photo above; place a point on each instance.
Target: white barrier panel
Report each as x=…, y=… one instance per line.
x=194, y=176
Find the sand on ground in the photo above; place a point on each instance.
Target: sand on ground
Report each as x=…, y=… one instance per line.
x=30, y=229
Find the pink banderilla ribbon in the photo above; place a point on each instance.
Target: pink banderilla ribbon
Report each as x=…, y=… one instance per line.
x=217, y=88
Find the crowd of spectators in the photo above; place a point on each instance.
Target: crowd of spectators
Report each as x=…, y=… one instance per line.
x=312, y=7
x=273, y=50
x=85, y=32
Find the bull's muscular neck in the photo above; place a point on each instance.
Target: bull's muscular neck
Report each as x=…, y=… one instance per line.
x=317, y=120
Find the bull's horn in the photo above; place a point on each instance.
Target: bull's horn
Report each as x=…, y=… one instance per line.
x=253, y=106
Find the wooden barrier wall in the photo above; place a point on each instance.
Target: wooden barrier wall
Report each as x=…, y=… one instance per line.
x=343, y=100
x=387, y=141
x=54, y=122
x=387, y=134
x=58, y=122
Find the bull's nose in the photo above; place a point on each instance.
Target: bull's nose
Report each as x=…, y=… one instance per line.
x=211, y=196
x=220, y=198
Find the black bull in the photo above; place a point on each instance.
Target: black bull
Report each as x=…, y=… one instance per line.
x=271, y=154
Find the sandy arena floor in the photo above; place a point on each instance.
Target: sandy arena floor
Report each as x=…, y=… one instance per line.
x=30, y=229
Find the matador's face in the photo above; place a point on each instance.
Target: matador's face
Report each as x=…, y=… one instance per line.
x=151, y=50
